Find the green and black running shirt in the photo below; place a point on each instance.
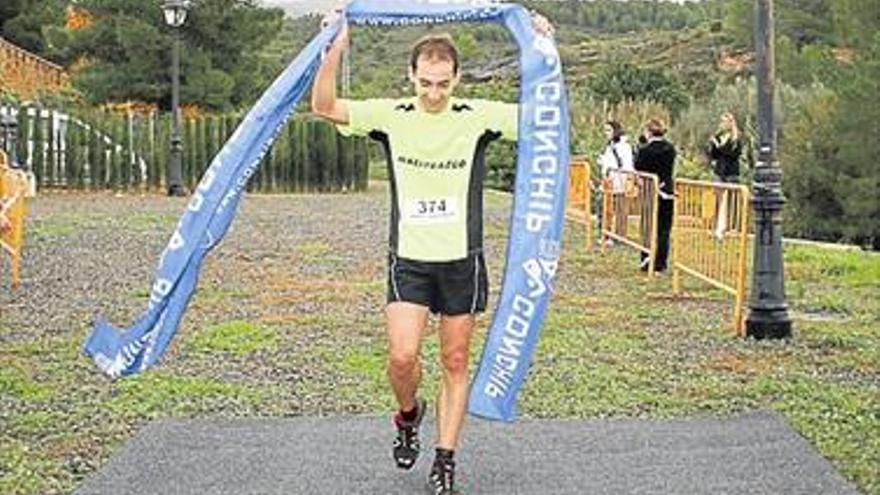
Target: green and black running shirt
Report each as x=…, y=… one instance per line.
x=436, y=165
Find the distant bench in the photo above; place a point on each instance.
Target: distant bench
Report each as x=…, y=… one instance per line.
x=13, y=188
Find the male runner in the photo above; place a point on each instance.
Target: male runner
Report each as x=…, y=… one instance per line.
x=435, y=146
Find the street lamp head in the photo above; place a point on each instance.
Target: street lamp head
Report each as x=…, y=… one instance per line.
x=175, y=12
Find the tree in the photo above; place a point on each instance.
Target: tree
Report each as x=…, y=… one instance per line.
x=858, y=125
x=127, y=52
x=24, y=21
x=802, y=21
x=620, y=82
x=805, y=66
x=808, y=153
x=855, y=22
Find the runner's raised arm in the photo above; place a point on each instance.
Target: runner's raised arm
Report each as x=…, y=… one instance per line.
x=324, y=101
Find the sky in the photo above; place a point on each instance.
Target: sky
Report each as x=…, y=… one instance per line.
x=299, y=7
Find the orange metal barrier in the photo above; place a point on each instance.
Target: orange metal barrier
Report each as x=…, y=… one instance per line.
x=578, y=207
x=629, y=212
x=13, y=187
x=710, y=238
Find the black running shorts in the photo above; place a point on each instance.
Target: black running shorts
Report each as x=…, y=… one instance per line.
x=446, y=287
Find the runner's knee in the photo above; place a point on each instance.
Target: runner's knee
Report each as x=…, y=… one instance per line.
x=455, y=362
x=401, y=363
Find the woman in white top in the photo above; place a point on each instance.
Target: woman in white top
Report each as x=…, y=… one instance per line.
x=617, y=157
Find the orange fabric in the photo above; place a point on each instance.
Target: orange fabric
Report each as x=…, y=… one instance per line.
x=13, y=186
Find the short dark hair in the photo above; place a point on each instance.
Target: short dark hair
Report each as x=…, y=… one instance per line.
x=655, y=127
x=439, y=46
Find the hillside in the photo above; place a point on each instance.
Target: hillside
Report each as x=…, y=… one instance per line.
x=699, y=57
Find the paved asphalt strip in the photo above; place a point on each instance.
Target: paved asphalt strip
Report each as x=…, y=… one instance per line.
x=753, y=453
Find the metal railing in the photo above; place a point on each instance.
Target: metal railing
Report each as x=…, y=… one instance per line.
x=630, y=205
x=579, y=200
x=710, y=238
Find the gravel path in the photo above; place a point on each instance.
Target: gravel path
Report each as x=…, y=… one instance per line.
x=97, y=253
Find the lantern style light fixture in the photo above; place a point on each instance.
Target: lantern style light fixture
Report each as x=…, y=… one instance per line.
x=175, y=15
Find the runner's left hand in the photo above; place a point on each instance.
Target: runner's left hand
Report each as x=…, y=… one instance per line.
x=542, y=25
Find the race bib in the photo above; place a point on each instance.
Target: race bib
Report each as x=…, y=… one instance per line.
x=430, y=210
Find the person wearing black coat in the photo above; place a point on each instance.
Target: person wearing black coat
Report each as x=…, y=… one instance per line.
x=657, y=156
x=724, y=150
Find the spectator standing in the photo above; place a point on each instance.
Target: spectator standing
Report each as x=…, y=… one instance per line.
x=657, y=156
x=617, y=157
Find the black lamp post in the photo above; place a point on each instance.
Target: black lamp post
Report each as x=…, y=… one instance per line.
x=9, y=125
x=175, y=15
x=768, y=312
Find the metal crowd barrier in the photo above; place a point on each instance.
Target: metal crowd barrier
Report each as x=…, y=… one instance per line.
x=710, y=238
x=629, y=213
x=13, y=188
x=578, y=208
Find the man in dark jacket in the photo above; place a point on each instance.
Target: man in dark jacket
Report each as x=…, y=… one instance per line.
x=657, y=156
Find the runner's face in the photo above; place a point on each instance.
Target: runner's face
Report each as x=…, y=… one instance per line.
x=434, y=80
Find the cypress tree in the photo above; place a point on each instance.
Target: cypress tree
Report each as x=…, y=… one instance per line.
x=287, y=158
x=328, y=167
x=156, y=173
x=113, y=166
x=211, y=139
x=82, y=148
x=189, y=152
x=301, y=155
x=105, y=147
x=314, y=160
x=51, y=150
x=38, y=157
x=122, y=165
x=199, y=149
x=24, y=131
x=362, y=161
x=71, y=150
x=134, y=148
x=94, y=155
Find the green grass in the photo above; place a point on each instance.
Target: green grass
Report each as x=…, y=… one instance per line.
x=33, y=423
x=849, y=267
x=15, y=383
x=24, y=471
x=50, y=229
x=141, y=222
x=237, y=338
x=315, y=249
x=160, y=394
x=70, y=224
